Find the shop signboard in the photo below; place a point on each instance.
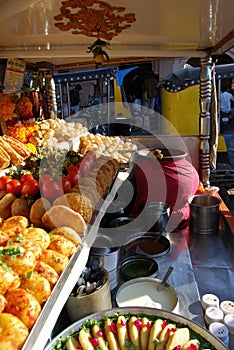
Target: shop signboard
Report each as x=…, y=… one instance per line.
x=14, y=75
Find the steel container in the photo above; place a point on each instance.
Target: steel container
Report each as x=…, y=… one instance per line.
x=204, y=214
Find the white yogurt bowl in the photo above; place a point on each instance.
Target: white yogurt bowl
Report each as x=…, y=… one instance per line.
x=143, y=292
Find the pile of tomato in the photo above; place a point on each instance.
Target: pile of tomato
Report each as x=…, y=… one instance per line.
x=47, y=186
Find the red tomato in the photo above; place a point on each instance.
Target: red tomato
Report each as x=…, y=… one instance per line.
x=14, y=186
x=51, y=189
x=3, y=181
x=71, y=168
x=66, y=184
x=74, y=177
x=30, y=188
x=44, y=178
x=26, y=177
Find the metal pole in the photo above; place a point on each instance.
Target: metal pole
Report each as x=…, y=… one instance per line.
x=108, y=106
x=205, y=102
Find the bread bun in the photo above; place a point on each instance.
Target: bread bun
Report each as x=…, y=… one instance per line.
x=60, y=215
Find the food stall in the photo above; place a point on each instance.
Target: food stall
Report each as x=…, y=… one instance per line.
x=49, y=31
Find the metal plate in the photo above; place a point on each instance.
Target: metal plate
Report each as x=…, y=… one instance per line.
x=168, y=154
x=215, y=342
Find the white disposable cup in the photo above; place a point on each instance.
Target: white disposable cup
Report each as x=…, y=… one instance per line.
x=220, y=331
x=229, y=322
x=227, y=307
x=213, y=314
x=209, y=300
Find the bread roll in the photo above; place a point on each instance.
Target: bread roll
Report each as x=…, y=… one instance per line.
x=18, y=146
x=5, y=205
x=60, y=215
x=4, y=158
x=16, y=158
x=38, y=209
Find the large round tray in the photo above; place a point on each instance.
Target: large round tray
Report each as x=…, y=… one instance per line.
x=148, y=311
x=168, y=154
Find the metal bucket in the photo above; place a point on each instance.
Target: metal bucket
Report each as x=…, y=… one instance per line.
x=204, y=214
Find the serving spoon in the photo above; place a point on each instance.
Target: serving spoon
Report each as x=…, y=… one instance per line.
x=165, y=278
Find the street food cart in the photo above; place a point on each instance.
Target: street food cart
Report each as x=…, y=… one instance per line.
x=35, y=31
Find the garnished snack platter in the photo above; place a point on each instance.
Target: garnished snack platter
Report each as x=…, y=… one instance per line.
x=126, y=326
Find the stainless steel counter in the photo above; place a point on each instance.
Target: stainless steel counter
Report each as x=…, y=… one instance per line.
x=213, y=263
x=202, y=264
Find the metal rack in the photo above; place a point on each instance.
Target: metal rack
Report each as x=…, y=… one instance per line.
x=45, y=323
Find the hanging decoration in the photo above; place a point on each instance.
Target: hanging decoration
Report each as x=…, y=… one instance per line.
x=94, y=18
x=97, y=49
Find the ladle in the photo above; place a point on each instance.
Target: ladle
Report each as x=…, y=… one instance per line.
x=165, y=278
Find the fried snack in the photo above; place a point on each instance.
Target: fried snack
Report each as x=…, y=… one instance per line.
x=111, y=336
x=84, y=339
x=16, y=158
x=96, y=330
x=109, y=173
x=134, y=332
x=164, y=336
x=8, y=280
x=8, y=342
x=14, y=224
x=62, y=245
x=3, y=303
x=56, y=260
x=122, y=332
x=77, y=202
x=3, y=238
x=37, y=236
x=38, y=285
x=20, y=207
x=18, y=146
x=61, y=215
x=23, y=305
x=5, y=159
x=144, y=333
x=179, y=337
x=98, y=184
x=88, y=187
x=155, y=331
x=38, y=209
x=5, y=205
x=69, y=233
x=12, y=327
x=47, y=271
x=21, y=263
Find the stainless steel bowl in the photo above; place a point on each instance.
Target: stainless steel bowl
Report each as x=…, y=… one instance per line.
x=215, y=342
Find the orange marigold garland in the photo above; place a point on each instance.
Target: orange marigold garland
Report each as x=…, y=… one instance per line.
x=23, y=132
